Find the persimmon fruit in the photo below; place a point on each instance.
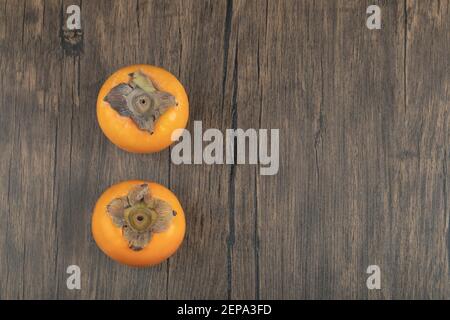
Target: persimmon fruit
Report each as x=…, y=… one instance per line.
x=140, y=106
x=138, y=223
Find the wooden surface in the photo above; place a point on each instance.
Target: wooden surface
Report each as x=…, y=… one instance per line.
x=364, y=126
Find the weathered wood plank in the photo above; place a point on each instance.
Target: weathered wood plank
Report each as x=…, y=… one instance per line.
x=248, y=36
x=333, y=85
x=200, y=269
x=11, y=183
x=419, y=214
x=39, y=108
x=28, y=248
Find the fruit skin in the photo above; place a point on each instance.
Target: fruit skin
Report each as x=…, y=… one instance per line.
x=123, y=132
x=109, y=237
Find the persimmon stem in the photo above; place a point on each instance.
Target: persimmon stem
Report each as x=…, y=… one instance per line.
x=140, y=100
x=140, y=215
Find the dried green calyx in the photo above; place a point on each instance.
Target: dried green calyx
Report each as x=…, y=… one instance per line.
x=140, y=100
x=140, y=215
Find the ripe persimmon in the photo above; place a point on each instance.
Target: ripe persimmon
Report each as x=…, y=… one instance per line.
x=140, y=106
x=138, y=223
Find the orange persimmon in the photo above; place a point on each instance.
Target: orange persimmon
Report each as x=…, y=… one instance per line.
x=138, y=223
x=140, y=106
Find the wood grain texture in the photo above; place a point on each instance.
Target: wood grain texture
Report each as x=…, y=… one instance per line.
x=364, y=126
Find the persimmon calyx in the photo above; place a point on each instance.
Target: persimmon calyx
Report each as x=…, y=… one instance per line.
x=140, y=215
x=140, y=100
